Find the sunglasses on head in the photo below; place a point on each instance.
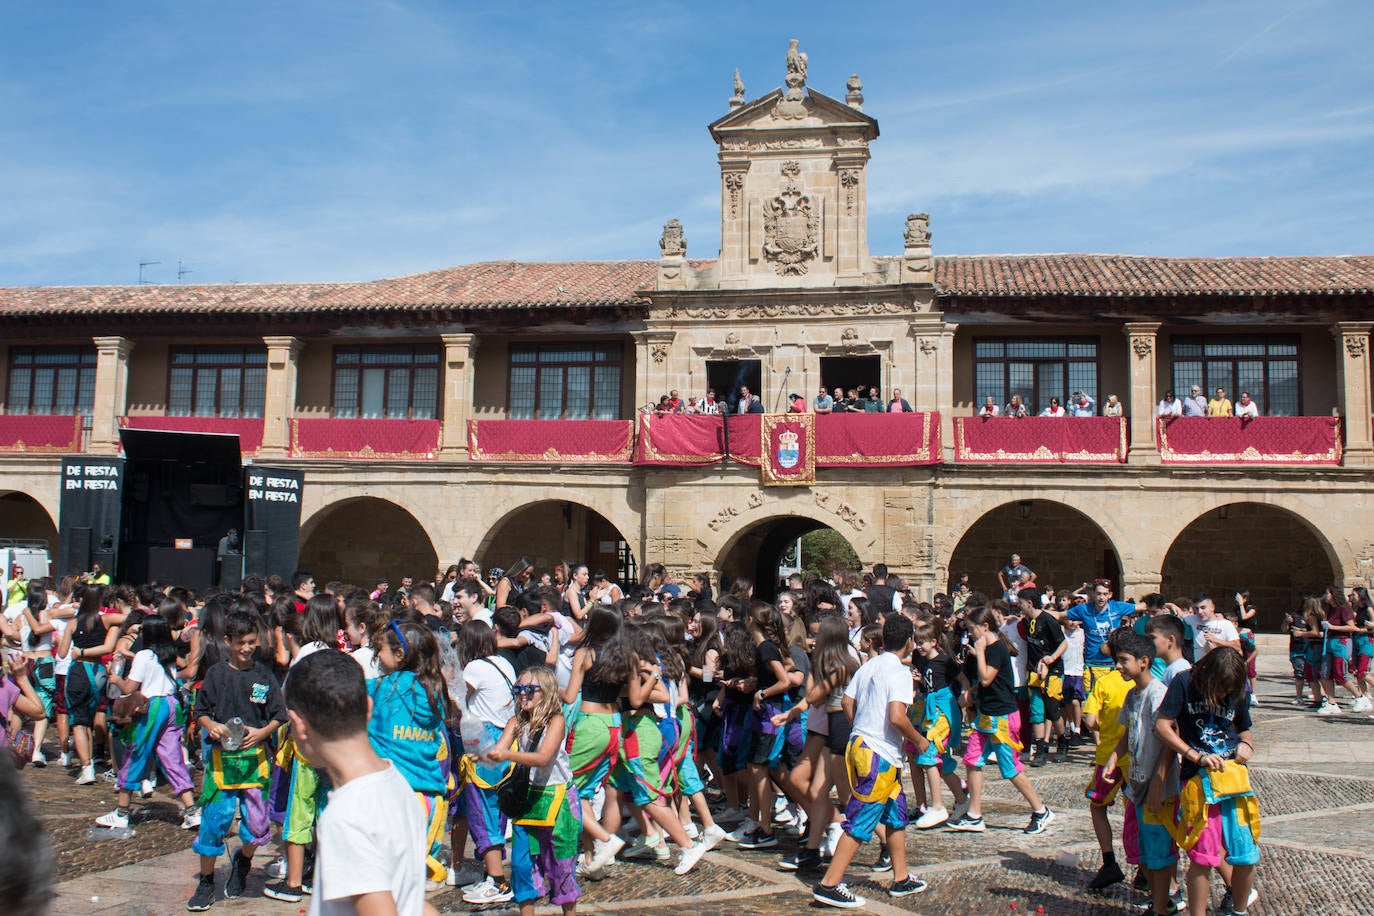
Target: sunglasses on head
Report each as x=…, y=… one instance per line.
x=525, y=690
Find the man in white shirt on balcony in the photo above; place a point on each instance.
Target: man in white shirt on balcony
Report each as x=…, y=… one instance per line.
x=1169, y=406
x=1246, y=408
x=1195, y=405
x=989, y=408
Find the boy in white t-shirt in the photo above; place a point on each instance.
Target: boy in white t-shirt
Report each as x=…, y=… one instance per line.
x=878, y=701
x=372, y=845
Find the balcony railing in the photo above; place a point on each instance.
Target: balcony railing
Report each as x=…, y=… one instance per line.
x=327, y=437
x=551, y=441
x=40, y=433
x=1261, y=440
x=1040, y=440
x=248, y=429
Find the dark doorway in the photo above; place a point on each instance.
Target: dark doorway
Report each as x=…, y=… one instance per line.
x=857, y=372
x=726, y=376
x=762, y=549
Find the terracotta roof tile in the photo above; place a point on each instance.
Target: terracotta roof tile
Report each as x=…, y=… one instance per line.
x=573, y=284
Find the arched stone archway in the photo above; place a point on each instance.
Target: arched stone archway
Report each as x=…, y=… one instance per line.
x=554, y=531
x=756, y=550
x=356, y=540
x=1272, y=552
x=24, y=517
x=1062, y=545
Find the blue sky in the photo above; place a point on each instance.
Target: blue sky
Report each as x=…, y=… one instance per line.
x=317, y=140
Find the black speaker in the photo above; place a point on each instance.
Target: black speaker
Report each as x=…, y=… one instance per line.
x=105, y=558
x=231, y=572
x=76, y=544
x=255, y=553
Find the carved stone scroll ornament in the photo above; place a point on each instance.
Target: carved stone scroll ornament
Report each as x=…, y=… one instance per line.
x=928, y=346
x=849, y=336
x=673, y=243
x=778, y=310
x=734, y=184
x=849, y=180
x=659, y=352
x=790, y=226
x=917, y=233
x=1142, y=347
x=1355, y=346
x=729, y=512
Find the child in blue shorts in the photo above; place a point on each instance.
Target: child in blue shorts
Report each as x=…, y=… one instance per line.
x=939, y=719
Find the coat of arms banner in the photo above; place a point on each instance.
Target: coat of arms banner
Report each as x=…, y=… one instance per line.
x=788, y=442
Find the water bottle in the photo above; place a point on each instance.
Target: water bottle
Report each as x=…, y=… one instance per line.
x=476, y=741
x=116, y=670
x=95, y=834
x=708, y=674
x=237, y=731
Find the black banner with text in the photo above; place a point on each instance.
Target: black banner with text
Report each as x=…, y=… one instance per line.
x=89, y=514
x=272, y=520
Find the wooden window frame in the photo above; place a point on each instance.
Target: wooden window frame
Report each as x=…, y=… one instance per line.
x=87, y=360
x=196, y=368
x=540, y=346
x=1005, y=397
x=414, y=349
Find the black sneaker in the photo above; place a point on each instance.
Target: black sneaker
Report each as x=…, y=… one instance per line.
x=282, y=891
x=1041, y=755
x=802, y=860
x=840, y=895
x=204, y=897
x=1040, y=821
x=1075, y=739
x=1140, y=882
x=238, y=876
x=1227, y=903
x=758, y=840
x=906, y=887
x=1110, y=873
x=883, y=863
x=1062, y=755
x=308, y=873
x=968, y=824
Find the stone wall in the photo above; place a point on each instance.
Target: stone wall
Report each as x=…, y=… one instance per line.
x=365, y=538
x=1064, y=547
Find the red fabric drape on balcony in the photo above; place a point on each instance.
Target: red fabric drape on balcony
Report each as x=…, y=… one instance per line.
x=1055, y=440
x=1262, y=440
x=249, y=430
x=679, y=440
x=41, y=433
x=871, y=440
x=337, y=438
x=559, y=441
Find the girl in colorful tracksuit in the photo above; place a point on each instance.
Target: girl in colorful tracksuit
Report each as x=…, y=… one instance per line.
x=410, y=708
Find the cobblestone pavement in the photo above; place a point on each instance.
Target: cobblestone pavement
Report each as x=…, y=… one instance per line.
x=1314, y=777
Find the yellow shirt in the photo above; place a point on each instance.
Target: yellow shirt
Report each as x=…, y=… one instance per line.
x=1105, y=702
x=1219, y=408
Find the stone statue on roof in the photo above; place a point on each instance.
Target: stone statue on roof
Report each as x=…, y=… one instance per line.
x=737, y=99
x=791, y=106
x=796, y=65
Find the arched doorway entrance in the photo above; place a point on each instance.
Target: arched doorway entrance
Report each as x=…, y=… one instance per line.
x=1275, y=554
x=766, y=551
x=1063, y=546
x=559, y=531
x=23, y=518
x=357, y=540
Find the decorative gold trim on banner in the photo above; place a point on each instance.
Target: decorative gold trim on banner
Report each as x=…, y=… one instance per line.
x=550, y=455
x=1043, y=454
x=1250, y=455
x=857, y=458
x=653, y=454
x=18, y=445
x=767, y=424
x=365, y=453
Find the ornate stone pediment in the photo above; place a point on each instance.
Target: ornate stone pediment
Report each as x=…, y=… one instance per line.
x=816, y=110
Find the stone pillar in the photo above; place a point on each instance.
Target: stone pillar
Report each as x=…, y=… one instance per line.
x=944, y=389
x=1140, y=406
x=852, y=221
x=459, y=351
x=734, y=219
x=283, y=353
x=1136, y=585
x=651, y=365
x=1352, y=380
x=927, y=332
x=111, y=392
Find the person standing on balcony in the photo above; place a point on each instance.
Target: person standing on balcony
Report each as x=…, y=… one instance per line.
x=854, y=403
x=824, y=402
x=1016, y=408
x=1246, y=408
x=748, y=401
x=841, y=402
x=874, y=402
x=709, y=404
x=1169, y=406
x=1080, y=405
x=1113, y=407
x=898, y=404
x=1220, y=406
x=989, y=408
x=1195, y=405
x=1054, y=410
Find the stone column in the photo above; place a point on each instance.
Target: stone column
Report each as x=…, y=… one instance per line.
x=111, y=392
x=852, y=218
x=1136, y=585
x=651, y=365
x=283, y=354
x=734, y=219
x=1144, y=391
x=459, y=351
x=1352, y=380
x=927, y=332
x=944, y=389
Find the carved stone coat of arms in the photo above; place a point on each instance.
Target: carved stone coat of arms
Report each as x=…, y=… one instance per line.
x=790, y=226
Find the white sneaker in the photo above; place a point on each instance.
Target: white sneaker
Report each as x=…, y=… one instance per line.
x=113, y=819
x=832, y=836
x=692, y=831
x=604, y=854
x=689, y=858
x=1254, y=699
x=712, y=837
x=38, y=759
x=147, y=788
x=1329, y=709
x=87, y=776
x=644, y=847
x=1363, y=704
x=933, y=817
x=64, y=759
x=488, y=892
x=464, y=877
x=190, y=818
x=278, y=868
x=583, y=873
x=743, y=830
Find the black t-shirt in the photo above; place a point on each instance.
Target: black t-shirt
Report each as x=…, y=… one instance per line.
x=1209, y=729
x=802, y=662
x=89, y=638
x=880, y=597
x=938, y=672
x=1043, y=637
x=253, y=695
x=997, y=698
x=765, y=653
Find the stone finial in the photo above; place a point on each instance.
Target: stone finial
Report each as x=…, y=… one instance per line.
x=673, y=244
x=796, y=66
x=737, y=99
x=918, y=266
x=854, y=96
x=791, y=106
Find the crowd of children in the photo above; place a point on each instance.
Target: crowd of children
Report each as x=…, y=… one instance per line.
x=560, y=728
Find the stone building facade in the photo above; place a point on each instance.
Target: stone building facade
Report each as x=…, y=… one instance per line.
x=792, y=301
